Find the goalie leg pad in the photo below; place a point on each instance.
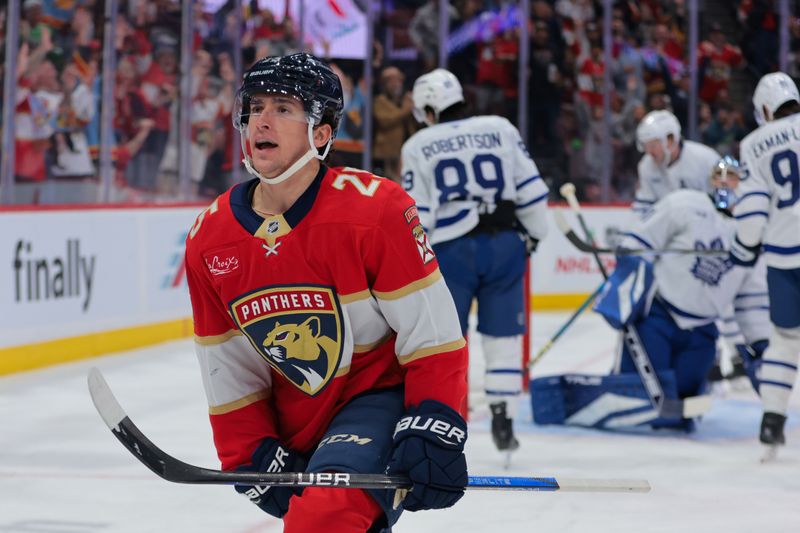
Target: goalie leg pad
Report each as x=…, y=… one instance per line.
x=618, y=400
x=689, y=353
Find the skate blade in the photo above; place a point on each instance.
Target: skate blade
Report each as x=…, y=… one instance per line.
x=507, y=460
x=770, y=453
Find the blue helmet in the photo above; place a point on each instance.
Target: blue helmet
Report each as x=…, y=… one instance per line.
x=300, y=75
x=724, y=192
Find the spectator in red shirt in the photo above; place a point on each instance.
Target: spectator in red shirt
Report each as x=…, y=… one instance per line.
x=496, y=78
x=717, y=58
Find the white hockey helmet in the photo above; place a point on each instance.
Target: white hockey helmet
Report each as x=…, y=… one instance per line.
x=773, y=90
x=438, y=89
x=657, y=125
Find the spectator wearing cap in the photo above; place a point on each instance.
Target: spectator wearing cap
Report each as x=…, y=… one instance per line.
x=159, y=87
x=717, y=58
x=394, y=122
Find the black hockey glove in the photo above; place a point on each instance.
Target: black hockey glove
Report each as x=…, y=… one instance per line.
x=751, y=355
x=271, y=456
x=429, y=449
x=744, y=255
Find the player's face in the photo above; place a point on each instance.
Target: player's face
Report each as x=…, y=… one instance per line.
x=276, y=133
x=728, y=180
x=656, y=150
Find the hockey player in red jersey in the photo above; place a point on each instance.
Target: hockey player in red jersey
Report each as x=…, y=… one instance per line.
x=327, y=338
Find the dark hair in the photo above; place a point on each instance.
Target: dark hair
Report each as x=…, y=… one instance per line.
x=788, y=108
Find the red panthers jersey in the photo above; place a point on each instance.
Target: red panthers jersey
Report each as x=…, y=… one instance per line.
x=296, y=314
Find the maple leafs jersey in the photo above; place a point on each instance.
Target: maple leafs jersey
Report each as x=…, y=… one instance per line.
x=768, y=211
x=459, y=170
x=692, y=170
x=298, y=313
x=697, y=289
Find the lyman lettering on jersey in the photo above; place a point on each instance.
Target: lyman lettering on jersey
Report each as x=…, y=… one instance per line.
x=297, y=330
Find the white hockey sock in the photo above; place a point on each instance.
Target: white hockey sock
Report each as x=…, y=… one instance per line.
x=779, y=369
x=503, y=370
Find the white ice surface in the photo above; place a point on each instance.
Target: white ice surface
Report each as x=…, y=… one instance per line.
x=62, y=471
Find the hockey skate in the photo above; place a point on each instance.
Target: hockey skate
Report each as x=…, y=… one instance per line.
x=771, y=434
x=502, y=428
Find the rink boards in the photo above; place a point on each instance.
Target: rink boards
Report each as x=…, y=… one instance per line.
x=82, y=282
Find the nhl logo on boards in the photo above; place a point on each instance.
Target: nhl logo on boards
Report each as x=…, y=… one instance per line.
x=423, y=247
x=298, y=330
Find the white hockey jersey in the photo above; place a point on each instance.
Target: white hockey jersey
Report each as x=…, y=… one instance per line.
x=768, y=211
x=692, y=170
x=456, y=171
x=697, y=289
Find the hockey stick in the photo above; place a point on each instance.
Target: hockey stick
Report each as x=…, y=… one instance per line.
x=176, y=471
x=590, y=248
x=668, y=408
x=586, y=303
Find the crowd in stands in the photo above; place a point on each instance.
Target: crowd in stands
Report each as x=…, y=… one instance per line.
x=59, y=68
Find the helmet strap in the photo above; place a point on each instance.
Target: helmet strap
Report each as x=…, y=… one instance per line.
x=297, y=165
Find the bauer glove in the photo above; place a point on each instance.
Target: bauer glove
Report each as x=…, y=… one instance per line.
x=429, y=449
x=271, y=456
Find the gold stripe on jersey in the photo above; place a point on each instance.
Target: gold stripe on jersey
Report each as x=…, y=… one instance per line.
x=355, y=297
x=238, y=404
x=432, y=350
x=412, y=287
x=364, y=348
x=213, y=340
x=272, y=228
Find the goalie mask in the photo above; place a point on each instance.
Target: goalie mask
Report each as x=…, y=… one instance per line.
x=724, y=181
x=301, y=76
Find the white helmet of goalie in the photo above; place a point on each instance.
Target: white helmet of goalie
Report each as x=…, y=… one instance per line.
x=773, y=90
x=657, y=125
x=438, y=89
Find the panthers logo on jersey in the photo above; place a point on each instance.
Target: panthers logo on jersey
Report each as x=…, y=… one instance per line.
x=297, y=330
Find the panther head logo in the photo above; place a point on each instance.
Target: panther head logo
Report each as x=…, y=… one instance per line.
x=302, y=353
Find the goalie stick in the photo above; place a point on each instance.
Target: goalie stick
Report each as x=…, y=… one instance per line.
x=176, y=471
x=666, y=407
x=590, y=248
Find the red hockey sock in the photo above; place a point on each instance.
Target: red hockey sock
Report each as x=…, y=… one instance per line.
x=332, y=511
